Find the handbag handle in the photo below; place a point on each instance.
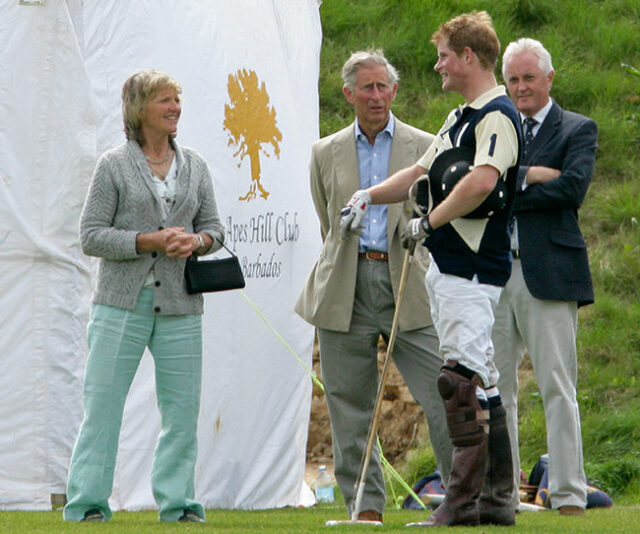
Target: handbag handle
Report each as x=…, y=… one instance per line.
x=194, y=257
x=225, y=247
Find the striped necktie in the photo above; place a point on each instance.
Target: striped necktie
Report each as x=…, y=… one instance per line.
x=529, y=124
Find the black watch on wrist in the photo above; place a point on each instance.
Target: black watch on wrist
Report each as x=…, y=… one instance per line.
x=426, y=226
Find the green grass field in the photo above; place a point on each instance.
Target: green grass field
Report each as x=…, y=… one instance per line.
x=589, y=40
x=616, y=520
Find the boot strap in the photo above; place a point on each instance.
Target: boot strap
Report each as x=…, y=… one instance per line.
x=472, y=376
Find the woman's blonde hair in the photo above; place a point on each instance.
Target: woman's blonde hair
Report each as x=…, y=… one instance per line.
x=136, y=93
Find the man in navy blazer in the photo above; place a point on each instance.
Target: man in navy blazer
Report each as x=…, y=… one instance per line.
x=550, y=277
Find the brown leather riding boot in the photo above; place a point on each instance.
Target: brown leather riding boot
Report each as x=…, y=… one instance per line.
x=496, y=506
x=468, y=427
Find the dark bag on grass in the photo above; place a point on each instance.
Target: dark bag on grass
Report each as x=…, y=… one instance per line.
x=218, y=274
x=596, y=498
x=429, y=485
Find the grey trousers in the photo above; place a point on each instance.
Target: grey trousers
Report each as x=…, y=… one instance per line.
x=350, y=374
x=547, y=330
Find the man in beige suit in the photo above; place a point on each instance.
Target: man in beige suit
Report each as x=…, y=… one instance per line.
x=350, y=294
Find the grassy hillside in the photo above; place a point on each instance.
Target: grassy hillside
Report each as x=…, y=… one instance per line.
x=588, y=41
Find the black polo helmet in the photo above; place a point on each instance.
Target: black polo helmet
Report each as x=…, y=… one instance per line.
x=446, y=171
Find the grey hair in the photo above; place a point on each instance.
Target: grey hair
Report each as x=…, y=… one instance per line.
x=362, y=58
x=523, y=45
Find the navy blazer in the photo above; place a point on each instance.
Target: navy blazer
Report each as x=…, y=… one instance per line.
x=553, y=251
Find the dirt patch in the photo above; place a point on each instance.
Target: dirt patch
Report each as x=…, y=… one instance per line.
x=402, y=423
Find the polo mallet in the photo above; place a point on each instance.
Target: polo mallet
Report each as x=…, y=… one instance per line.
x=373, y=425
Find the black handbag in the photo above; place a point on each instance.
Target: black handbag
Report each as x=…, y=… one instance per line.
x=218, y=274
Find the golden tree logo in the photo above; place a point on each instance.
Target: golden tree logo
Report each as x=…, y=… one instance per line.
x=251, y=123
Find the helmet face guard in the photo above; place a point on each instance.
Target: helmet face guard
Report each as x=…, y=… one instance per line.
x=420, y=197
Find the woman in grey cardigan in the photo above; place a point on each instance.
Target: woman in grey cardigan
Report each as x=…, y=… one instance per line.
x=150, y=206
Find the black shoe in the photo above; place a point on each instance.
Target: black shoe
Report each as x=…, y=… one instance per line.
x=94, y=515
x=191, y=517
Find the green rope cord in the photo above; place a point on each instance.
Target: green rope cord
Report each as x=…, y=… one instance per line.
x=399, y=478
x=310, y=372
x=387, y=476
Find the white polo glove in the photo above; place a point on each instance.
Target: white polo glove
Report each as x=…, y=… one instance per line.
x=353, y=213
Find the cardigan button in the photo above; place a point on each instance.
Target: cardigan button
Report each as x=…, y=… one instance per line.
x=157, y=283
x=156, y=309
x=160, y=227
x=154, y=254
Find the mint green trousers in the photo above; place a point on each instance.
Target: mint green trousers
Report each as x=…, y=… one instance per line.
x=117, y=340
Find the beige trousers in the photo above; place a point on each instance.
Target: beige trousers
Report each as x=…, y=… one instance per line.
x=546, y=329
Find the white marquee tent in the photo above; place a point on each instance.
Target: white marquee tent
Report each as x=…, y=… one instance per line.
x=62, y=65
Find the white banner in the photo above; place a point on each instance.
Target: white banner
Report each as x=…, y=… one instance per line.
x=249, y=72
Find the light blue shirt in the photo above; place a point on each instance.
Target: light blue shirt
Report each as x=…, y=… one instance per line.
x=373, y=165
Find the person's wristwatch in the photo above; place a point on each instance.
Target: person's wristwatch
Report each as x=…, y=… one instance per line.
x=424, y=221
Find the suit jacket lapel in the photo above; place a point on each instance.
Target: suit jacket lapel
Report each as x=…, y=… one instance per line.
x=402, y=149
x=547, y=132
x=346, y=162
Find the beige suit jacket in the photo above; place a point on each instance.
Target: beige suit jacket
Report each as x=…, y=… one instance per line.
x=327, y=298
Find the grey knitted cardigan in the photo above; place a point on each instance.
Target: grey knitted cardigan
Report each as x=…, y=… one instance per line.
x=121, y=203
